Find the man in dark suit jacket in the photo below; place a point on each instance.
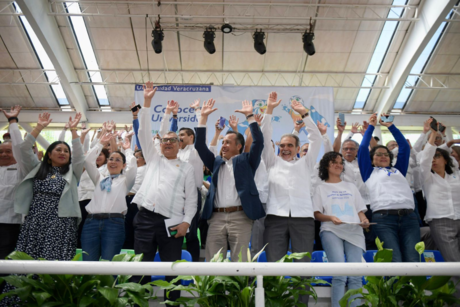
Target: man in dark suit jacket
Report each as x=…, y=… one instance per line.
x=233, y=201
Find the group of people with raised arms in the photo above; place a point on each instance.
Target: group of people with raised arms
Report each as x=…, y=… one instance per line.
x=109, y=195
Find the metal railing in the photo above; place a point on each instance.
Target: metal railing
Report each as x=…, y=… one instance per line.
x=231, y=269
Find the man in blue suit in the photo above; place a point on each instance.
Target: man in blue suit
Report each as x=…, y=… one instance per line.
x=233, y=201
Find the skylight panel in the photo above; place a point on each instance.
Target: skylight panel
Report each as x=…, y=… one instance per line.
x=87, y=51
x=419, y=66
x=44, y=60
x=380, y=52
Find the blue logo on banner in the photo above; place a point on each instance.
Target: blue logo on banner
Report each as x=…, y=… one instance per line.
x=178, y=88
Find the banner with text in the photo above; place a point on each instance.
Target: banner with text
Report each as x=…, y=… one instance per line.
x=318, y=100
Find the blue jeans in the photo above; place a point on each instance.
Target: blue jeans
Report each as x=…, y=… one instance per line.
x=335, y=249
x=102, y=238
x=399, y=233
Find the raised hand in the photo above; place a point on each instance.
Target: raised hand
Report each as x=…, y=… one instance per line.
x=208, y=107
x=110, y=126
x=321, y=127
x=340, y=126
x=218, y=130
x=298, y=107
x=373, y=120
x=14, y=112
x=258, y=118
x=426, y=126
x=364, y=127
x=126, y=144
x=133, y=104
x=429, y=125
x=233, y=122
x=272, y=101
x=354, y=128
x=246, y=108
x=85, y=130
x=129, y=135
x=408, y=142
x=128, y=129
x=66, y=126
x=384, y=123
x=149, y=91
x=74, y=122
x=171, y=105
x=44, y=119
x=176, y=109
x=105, y=138
x=195, y=104
x=297, y=126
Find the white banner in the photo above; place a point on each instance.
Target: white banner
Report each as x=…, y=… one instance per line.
x=318, y=100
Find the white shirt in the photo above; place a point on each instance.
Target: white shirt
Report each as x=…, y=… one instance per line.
x=342, y=200
x=389, y=190
x=190, y=155
x=86, y=185
x=442, y=194
x=351, y=174
x=289, y=182
x=10, y=177
x=113, y=201
x=169, y=186
x=226, y=193
x=140, y=175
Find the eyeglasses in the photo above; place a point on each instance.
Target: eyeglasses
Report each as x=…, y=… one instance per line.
x=115, y=160
x=437, y=156
x=349, y=149
x=170, y=140
x=382, y=154
x=337, y=163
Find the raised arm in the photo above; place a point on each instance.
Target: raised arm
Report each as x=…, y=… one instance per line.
x=338, y=139
x=145, y=134
x=258, y=142
x=423, y=137
x=426, y=158
x=404, y=149
x=364, y=159
x=78, y=157
x=91, y=157
x=62, y=134
x=206, y=155
x=170, y=107
x=268, y=155
x=131, y=169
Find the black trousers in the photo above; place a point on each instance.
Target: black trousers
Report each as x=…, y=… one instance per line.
x=129, y=220
x=193, y=244
x=84, y=214
x=149, y=235
x=9, y=234
x=369, y=234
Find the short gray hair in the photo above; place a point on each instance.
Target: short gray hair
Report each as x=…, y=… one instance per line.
x=297, y=140
x=350, y=140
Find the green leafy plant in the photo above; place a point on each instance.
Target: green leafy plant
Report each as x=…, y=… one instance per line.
x=78, y=290
x=239, y=291
x=408, y=291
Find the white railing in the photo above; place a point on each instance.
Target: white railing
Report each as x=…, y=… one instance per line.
x=231, y=269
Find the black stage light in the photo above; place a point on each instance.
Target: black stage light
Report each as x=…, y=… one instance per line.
x=259, y=44
x=209, y=35
x=308, y=45
x=226, y=28
x=158, y=37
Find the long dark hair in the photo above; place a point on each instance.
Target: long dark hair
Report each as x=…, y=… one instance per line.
x=324, y=164
x=106, y=154
x=46, y=165
x=449, y=165
x=373, y=150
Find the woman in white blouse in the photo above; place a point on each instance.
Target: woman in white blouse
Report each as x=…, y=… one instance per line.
x=340, y=208
x=441, y=184
x=104, y=229
x=86, y=188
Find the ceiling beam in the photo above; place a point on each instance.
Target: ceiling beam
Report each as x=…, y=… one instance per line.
x=432, y=14
x=47, y=31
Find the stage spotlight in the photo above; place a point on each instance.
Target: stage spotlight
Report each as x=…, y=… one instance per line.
x=209, y=35
x=226, y=28
x=259, y=44
x=308, y=45
x=158, y=37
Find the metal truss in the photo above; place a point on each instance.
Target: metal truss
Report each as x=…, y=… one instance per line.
x=7, y=8
x=181, y=14
x=25, y=76
x=434, y=81
x=230, y=78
